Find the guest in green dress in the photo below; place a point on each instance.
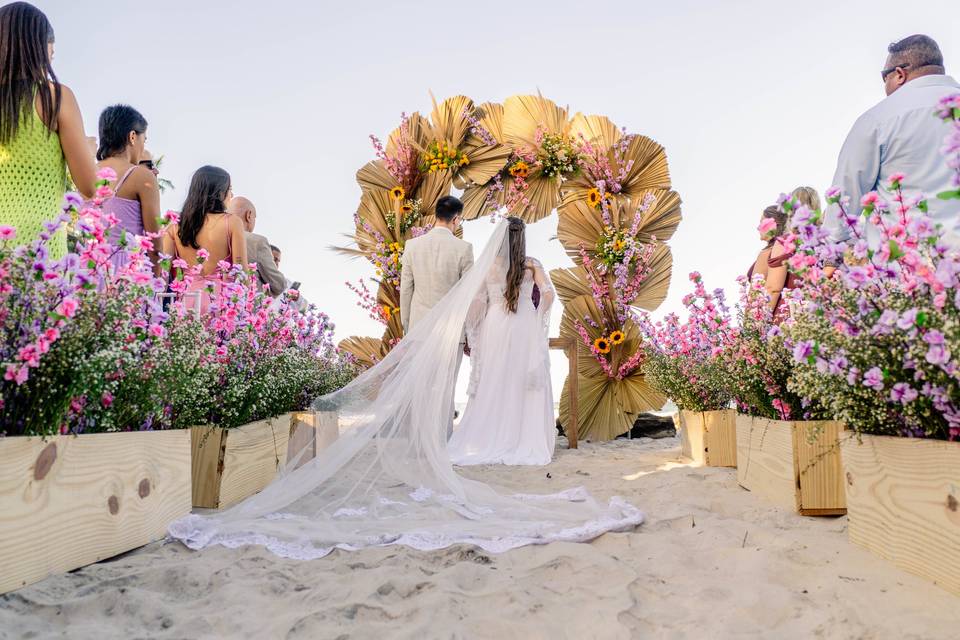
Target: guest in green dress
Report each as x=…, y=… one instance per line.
x=41, y=130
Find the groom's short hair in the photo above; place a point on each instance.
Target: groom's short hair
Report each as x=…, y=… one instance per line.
x=448, y=208
x=918, y=51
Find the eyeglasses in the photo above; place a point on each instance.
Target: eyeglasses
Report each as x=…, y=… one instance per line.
x=148, y=164
x=887, y=72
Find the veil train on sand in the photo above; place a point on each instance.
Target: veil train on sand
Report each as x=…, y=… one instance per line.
x=388, y=478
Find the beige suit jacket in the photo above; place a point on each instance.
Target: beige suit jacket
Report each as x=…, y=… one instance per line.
x=258, y=251
x=430, y=266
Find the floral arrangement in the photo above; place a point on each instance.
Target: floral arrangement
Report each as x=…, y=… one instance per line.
x=877, y=343
x=556, y=155
x=687, y=360
x=758, y=362
x=440, y=156
x=87, y=343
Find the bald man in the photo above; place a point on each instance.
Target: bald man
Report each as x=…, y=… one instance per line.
x=258, y=247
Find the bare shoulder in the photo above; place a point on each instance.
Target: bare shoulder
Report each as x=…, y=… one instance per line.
x=533, y=263
x=235, y=224
x=144, y=177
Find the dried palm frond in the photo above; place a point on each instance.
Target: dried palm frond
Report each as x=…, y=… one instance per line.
x=389, y=299
x=607, y=406
x=448, y=120
x=366, y=351
x=648, y=170
x=570, y=283
x=524, y=115
x=418, y=134
x=599, y=131
x=579, y=223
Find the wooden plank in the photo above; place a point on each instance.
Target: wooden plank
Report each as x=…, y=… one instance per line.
x=720, y=446
x=70, y=501
x=206, y=449
x=690, y=430
x=765, y=458
x=252, y=456
x=708, y=437
x=817, y=468
x=302, y=445
x=570, y=346
x=903, y=499
x=328, y=429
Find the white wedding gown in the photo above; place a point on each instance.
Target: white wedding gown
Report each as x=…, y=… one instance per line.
x=388, y=478
x=509, y=418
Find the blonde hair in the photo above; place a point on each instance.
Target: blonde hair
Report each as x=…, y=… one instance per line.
x=807, y=196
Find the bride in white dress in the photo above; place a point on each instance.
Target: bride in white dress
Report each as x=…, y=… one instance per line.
x=388, y=478
x=509, y=417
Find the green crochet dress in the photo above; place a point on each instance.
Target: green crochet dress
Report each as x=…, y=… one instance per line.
x=33, y=179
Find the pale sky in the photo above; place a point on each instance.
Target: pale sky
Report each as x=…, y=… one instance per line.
x=749, y=98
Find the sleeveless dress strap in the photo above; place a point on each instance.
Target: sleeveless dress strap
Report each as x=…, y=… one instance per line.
x=116, y=189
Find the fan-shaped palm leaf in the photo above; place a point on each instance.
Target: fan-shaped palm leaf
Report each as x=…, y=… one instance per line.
x=366, y=351
x=599, y=131
x=524, y=115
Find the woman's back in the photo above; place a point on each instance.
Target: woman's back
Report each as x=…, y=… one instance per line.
x=33, y=180
x=221, y=236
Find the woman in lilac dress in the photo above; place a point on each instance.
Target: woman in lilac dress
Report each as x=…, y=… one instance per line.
x=136, y=200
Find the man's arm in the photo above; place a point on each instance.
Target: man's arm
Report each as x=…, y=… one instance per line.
x=858, y=171
x=406, y=288
x=267, y=268
x=466, y=260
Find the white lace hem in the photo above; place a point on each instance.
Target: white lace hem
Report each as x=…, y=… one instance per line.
x=197, y=532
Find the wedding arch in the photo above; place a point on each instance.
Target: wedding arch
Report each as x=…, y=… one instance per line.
x=528, y=157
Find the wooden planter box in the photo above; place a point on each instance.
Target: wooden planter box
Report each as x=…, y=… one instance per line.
x=784, y=462
x=232, y=464
x=903, y=496
x=310, y=433
x=709, y=438
x=70, y=501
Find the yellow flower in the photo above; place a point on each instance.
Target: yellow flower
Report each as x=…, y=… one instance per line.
x=464, y=161
x=443, y=166
x=406, y=208
x=452, y=153
x=617, y=337
x=618, y=245
x=386, y=311
x=397, y=193
x=593, y=197
x=602, y=345
x=520, y=169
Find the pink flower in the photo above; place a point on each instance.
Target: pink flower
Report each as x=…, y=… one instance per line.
x=107, y=174
x=156, y=331
x=202, y=255
x=106, y=399
x=68, y=308
x=7, y=232
x=767, y=227
x=171, y=216
x=870, y=200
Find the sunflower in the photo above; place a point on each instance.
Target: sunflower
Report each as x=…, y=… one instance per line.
x=602, y=345
x=406, y=208
x=520, y=169
x=617, y=337
x=397, y=193
x=594, y=197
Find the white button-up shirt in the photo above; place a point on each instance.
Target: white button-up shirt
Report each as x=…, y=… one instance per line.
x=899, y=135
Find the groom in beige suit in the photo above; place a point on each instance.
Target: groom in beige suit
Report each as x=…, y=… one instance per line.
x=432, y=264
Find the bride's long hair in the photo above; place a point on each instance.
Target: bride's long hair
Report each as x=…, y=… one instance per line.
x=518, y=261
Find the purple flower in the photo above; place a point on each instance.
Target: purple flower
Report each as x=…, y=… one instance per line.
x=774, y=332
x=803, y=351
x=853, y=375
x=907, y=319
x=903, y=393
x=873, y=379
x=938, y=354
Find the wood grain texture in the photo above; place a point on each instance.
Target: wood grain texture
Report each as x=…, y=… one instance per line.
x=795, y=464
x=903, y=499
x=765, y=459
x=817, y=468
x=709, y=438
x=232, y=464
x=252, y=456
x=302, y=445
x=70, y=501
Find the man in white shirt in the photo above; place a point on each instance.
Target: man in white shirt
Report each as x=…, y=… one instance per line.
x=901, y=135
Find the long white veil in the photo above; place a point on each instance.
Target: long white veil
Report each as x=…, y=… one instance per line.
x=388, y=478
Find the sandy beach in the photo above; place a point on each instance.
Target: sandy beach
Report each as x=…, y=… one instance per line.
x=712, y=561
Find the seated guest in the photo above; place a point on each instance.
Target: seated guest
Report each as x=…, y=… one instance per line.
x=205, y=223
x=258, y=247
x=136, y=199
x=293, y=293
x=41, y=130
